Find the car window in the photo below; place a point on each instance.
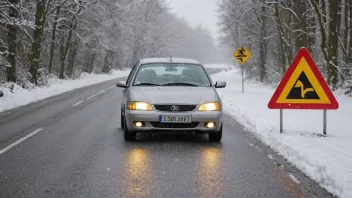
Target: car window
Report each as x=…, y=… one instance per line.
x=134, y=68
x=171, y=74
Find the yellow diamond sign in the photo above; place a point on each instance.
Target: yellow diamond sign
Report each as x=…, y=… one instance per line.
x=242, y=55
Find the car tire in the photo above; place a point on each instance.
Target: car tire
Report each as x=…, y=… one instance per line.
x=128, y=135
x=122, y=121
x=216, y=137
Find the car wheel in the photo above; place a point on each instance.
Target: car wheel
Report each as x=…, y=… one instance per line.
x=216, y=137
x=128, y=135
x=122, y=121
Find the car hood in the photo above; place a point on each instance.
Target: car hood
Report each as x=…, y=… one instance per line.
x=174, y=95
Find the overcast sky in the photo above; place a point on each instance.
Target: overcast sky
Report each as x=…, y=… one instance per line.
x=197, y=12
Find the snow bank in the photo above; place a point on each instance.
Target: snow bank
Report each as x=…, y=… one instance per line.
x=327, y=160
x=20, y=96
x=220, y=66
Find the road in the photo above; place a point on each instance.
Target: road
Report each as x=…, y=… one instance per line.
x=70, y=146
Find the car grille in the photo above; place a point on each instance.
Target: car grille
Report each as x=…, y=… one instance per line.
x=182, y=108
x=175, y=125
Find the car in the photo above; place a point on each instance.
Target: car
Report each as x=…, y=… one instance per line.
x=168, y=95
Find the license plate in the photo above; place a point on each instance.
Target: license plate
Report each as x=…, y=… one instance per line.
x=175, y=119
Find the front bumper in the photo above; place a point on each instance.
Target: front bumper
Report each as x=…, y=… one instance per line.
x=149, y=117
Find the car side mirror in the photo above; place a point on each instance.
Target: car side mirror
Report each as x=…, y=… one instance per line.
x=121, y=84
x=220, y=84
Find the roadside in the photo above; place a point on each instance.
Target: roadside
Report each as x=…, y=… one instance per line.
x=20, y=97
x=327, y=160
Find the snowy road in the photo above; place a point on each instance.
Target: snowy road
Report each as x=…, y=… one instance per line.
x=70, y=146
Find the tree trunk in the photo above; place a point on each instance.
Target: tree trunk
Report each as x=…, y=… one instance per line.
x=34, y=54
x=12, y=42
x=321, y=20
x=262, y=44
x=333, y=44
x=107, y=62
x=323, y=10
x=86, y=63
x=346, y=31
x=289, y=41
x=349, y=59
x=262, y=59
x=71, y=59
x=67, y=45
x=300, y=24
x=106, y=65
x=282, y=46
x=91, y=65
x=62, y=58
x=53, y=38
x=311, y=31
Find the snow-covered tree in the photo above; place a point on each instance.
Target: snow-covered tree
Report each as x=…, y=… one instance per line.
x=67, y=37
x=275, y=30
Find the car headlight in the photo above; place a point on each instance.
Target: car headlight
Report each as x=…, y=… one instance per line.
x=211, y=106
x=143, y=106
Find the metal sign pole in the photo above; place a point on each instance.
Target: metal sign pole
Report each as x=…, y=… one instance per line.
x=281, y=121
x=242, y=55
x=242, y=80
x=325, y=120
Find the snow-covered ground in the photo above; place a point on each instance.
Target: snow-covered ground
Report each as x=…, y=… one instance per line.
x=21, y=96
x=327, y=160
x=214, y=66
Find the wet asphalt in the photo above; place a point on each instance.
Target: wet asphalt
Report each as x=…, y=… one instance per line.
x=80, y=152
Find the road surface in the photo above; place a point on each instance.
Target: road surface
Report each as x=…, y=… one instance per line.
x=71, y=146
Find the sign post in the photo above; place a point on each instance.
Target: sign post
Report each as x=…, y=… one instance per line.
x=281, y=120
x=242, y=55
x=324, y=124
x=242, y=79
x=303, y=87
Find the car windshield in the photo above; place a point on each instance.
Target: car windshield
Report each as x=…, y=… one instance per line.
x=171, y=74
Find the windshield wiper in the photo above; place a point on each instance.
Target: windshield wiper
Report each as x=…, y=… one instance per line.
x=180, y=84
x=147, y=84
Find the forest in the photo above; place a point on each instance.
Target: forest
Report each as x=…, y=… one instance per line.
x=63, y=38
x=274, y=31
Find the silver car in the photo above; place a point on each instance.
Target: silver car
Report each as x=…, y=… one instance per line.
x=168, y=94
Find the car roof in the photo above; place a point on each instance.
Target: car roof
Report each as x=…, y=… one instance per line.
x=169, y=60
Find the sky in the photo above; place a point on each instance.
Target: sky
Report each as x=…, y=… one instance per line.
x=197, y=12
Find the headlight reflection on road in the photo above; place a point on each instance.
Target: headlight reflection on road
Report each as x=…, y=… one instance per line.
x=137, y=180
x=210, y=173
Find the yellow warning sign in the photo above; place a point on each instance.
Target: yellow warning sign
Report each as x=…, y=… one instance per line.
x=303, y=87
x=242, y=55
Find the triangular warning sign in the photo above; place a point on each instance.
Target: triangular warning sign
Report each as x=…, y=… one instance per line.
x=303, y=87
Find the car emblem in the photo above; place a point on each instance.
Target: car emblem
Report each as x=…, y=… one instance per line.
x=175, y=108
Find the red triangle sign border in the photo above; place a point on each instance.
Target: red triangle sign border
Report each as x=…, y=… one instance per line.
x=303, y=52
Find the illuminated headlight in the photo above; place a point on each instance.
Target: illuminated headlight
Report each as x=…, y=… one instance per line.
x=142, y=106
x=210, y=125
x=211, y=106
x=138, y=124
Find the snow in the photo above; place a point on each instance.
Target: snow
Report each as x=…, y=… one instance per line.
x=271, y=157
x=327, y=160
x=167, y=60
x=217, y=66
x=21, y=97
x=294, y=178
